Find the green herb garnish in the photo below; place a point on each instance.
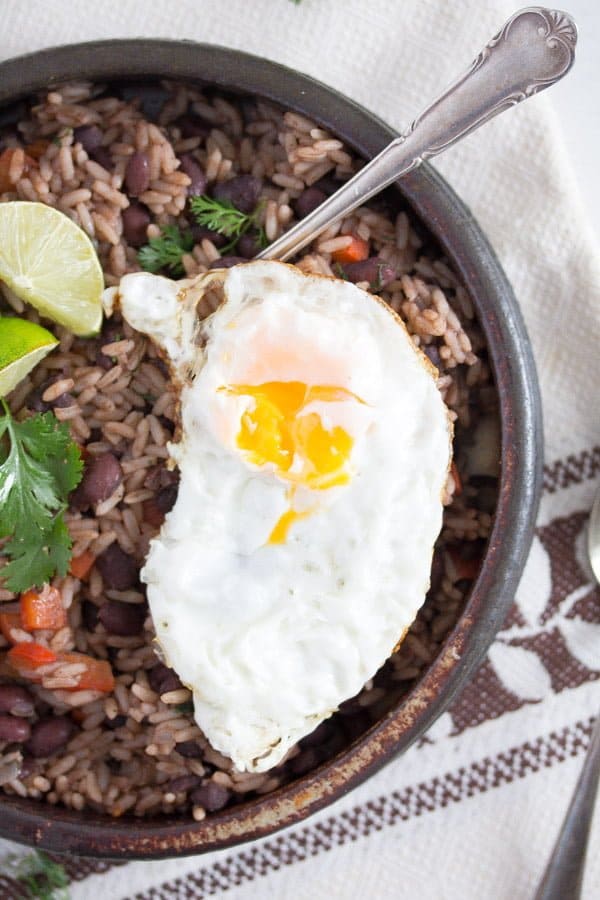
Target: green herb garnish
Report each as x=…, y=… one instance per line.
x=187, y=707
x=39, y=466
x=165, y=251
x=223, y=217
x=40, y=876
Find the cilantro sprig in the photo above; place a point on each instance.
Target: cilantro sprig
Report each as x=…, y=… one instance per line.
x=166, y=250
x=40, y=877
x=39, y=466
x=223, y=217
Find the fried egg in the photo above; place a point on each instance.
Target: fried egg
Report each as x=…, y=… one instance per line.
x=313, y=451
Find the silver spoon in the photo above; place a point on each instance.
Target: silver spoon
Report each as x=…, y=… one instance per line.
x=533, y=50
x=564, y=872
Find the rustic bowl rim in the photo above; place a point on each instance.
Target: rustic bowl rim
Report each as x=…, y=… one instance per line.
x=444, y=214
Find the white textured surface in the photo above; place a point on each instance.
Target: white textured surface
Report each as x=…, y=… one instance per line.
x=517, y=177
x=575, y=100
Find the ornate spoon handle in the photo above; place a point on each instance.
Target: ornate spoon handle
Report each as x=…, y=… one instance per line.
x=534, y=49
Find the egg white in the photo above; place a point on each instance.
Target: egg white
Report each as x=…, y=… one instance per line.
x=271, y=638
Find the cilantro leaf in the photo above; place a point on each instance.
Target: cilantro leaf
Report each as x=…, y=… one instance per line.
x=27, y=491
x=41, y=877
x=35, y=559
x=165, y=251
x=220, y=215
x=223, y=217
x=39, y=466
x=66, y=467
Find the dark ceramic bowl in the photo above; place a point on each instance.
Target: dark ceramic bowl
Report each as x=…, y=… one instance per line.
x=451, y=223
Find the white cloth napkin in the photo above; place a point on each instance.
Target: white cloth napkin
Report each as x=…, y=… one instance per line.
x=473, y=811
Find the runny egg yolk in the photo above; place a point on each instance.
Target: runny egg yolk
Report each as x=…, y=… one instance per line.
x=302, y=450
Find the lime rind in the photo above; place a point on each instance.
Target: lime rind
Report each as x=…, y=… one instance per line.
x=23, y=345
x=49, y=262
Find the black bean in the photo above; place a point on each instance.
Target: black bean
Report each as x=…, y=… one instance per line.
x=162, y=367
x=104, y=362
x=159, y=477
x=189, y=749
x=137, y=174
x=124, y=619
x=321, y=734
x=167, y=423
x=248, y=109
x=118, y=569
x=14, y=729
x=192, y=169
x=193, y=126
x=374, y=270
x=305, y=761
x=35, y=402
x=112, y=330
x=50, y=735
x=327, y=184
x=166, y=497
x=243, y=192
x=102, y=156
x=183, y=783
x=349, y=707
x=433, y=354
x=101, y=477
x=148, y=94
x=333, y=745
x=437, y=572
x=16, y=700
x=28, y=767
x=473, y=549
x=309, y=200
x=199, y=232
x=248, y=245
x=354, y=726
x=163, y=679
x=136, y=219
x=487, y=499
x=117, y=722
x=63, y=400
x=211, y=796
x=226, y=262
x=89, y=614
x=89, y=136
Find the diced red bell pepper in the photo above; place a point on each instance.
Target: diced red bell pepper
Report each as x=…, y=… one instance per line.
x=81, y=565
x=354, y=252
x=28, y=655
x=98, y=675
x=42, y=609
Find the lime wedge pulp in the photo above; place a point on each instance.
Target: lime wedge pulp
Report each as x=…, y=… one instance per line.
x=22, y=345
x=49, y=262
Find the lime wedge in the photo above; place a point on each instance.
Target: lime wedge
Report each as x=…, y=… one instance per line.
x=48, y=261
x=22, y=345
